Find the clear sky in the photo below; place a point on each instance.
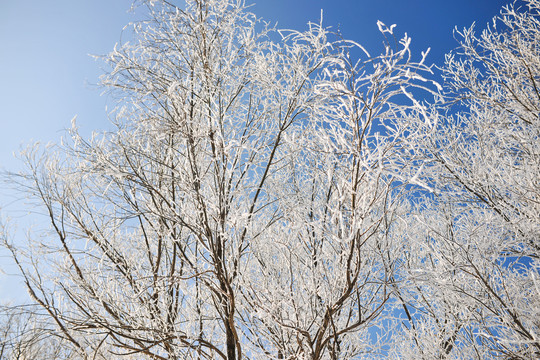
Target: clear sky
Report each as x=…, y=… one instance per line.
x=46, y=73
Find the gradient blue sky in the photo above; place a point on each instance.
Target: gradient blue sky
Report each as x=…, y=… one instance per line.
x=46, y=73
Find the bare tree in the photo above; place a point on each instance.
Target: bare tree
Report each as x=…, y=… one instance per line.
x=244, y=205
x=25, y=334
x=327, y=282
x=474, y=265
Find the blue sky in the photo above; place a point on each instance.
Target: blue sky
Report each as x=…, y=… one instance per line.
x=47, y=76
x=46, y=73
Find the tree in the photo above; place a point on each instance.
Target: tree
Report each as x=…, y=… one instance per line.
x=475, y=260
x=243, y=207
x=329, y=263
x=24, y=334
